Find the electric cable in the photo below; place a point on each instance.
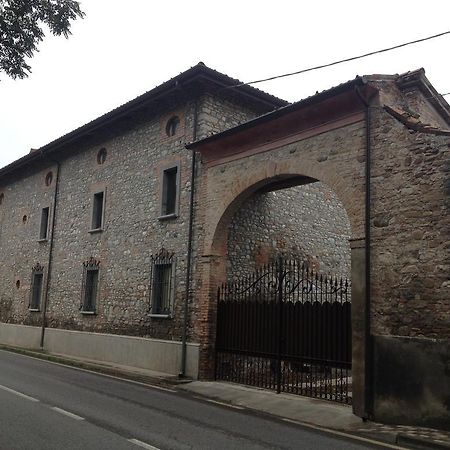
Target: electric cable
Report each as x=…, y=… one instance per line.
x=334, y=63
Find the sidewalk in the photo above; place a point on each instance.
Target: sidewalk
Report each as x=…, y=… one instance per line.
x=307, y=411
x=319, y=413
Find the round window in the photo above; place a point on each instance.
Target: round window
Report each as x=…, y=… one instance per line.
x=173, y=126
x=48, y=178
x=101, y=156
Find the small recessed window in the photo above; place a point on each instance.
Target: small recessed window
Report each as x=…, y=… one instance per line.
x=24, y=218
x=169, y=200
x=97, y=211
x=37, y=278
x=2, y=197
x=173, y=126
x=90, y=286
x=101, y=156
x=18, y=284
x=43, y=231
x=49, y=178
x=162, y=283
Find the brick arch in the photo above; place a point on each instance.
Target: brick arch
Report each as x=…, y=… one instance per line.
x=269, y=173
x=225, y=187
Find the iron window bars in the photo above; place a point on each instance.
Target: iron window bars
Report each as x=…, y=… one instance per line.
x=161, y=287
x=37, y=278
x=90, y=285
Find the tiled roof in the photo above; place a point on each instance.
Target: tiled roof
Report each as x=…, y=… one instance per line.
x=198, y=72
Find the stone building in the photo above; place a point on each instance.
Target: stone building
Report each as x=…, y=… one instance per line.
x=90, y=219
x=381, y=144
x=114, y=238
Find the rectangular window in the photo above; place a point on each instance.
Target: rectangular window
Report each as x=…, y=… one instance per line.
x=43, y=232
x=162, y=283
x=90, y=286
x=90, y=290
x=169, y=199
x=37, y=278
x=97, y=211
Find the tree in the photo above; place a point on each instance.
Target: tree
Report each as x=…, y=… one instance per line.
x=21, y=24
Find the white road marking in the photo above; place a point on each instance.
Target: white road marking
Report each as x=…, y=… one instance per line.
x=229, y=405
x=12, y=391
x=142, y=444
x=346, y=435
x=67, y=413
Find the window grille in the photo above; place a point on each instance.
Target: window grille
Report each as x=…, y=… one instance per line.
x=90, y=285
x=161, y=289
x=37, y=278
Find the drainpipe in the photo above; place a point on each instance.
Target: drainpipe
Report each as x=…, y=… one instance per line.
x=182, y=373
x=368, y=360
x=50, y=255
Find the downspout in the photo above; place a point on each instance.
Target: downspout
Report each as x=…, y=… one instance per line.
x=50, y=255
x=182, y=373
x=368, y=359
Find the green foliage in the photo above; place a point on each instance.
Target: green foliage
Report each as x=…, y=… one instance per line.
x=20, y=29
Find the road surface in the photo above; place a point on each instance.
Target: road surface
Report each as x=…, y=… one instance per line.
x=49, y=406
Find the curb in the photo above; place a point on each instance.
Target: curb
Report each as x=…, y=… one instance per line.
x=420, y=443
x=171, y=380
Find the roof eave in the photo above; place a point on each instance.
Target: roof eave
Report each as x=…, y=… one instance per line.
x=198, y=71
x=358, y=81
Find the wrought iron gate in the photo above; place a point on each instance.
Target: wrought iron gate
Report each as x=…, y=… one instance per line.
x=286, y=328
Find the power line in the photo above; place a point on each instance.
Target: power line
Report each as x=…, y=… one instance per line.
x=343, y=61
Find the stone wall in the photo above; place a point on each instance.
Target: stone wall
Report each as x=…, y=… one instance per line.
x=305, y=222
x=137, y=152
x=217, y=114
x=20, y=216
x=411, y=231
x=403, y=348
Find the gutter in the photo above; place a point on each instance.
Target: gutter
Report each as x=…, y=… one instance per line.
x=368, y=353
x=182, y=373
x=50, y=255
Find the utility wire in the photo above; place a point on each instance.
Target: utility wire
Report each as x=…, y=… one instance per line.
x=343, y=61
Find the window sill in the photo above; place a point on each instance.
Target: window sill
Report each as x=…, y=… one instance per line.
x=88, y=313
x=95, y=230
x=168, y=216
x=43, y=240
x=34, y=310
x=160, y=316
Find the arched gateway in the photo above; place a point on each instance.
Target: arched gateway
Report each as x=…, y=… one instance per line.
x=368, y=141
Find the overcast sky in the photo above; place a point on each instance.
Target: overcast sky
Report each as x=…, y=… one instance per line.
x=125, y=48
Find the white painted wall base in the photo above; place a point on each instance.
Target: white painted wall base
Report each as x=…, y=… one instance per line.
x=151, y=354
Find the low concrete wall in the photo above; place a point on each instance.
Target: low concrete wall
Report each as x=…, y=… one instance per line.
x=412, y=381
x=20, y=335
x=152, y=354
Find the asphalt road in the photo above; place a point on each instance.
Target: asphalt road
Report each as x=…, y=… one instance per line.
x=49, y=406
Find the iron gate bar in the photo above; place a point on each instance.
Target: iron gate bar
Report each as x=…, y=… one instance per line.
x=286, y=327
